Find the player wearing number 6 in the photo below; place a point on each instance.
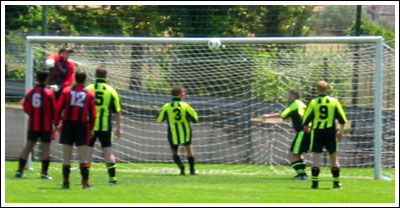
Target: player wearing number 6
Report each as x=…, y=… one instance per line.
x=78, y=107
x=322, y=112
x=107, y=103
x=39, y=104
x=179, y=114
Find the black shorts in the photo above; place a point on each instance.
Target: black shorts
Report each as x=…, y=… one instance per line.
x=105, y=138
x=321, y=138
x=45, y=136
x=75, y=132
x=301, y=143
x=175, y=146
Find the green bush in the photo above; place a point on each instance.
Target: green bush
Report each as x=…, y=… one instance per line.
x=369, y=28
x=17, y=74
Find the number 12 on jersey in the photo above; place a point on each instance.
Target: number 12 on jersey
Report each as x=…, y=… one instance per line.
x=78, y=98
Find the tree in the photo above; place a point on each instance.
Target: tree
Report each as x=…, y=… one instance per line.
x=333, y=17
x=369, y=28
x=272, y=21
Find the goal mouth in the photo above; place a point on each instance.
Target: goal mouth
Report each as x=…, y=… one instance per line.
x=232, y=87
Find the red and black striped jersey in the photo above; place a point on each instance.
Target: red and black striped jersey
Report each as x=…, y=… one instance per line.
x=63, y=71
x=40, y=105
x=77, y=104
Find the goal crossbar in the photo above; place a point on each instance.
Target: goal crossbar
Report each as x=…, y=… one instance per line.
x=170, y=40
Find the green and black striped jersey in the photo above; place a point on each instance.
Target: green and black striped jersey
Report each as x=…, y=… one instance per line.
x=107, y=102
x=179, y=114
x=295, y=112
x=322, y=112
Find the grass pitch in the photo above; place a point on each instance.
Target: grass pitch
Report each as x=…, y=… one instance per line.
x=147, y=183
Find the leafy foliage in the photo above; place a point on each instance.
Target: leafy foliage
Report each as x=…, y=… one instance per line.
x=369, y=28
x=18, y=74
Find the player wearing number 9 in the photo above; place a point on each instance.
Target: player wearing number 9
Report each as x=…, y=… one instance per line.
x=322, y=112
x=78, y=107
x=179, y=114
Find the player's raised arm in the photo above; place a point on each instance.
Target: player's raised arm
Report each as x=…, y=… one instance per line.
x=271, y=115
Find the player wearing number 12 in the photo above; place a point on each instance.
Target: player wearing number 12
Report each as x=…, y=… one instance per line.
x=322, y=112
x=179, y=114
x=78, y=106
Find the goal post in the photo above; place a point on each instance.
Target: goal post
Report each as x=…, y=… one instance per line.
x=28, y=84
x=378, y=109
x=273, y=45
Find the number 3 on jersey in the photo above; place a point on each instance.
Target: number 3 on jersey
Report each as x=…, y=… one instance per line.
x=178, y=116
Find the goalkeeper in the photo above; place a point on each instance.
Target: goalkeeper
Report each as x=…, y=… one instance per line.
x=301, y=142
x=178, y=115
x=61, y=70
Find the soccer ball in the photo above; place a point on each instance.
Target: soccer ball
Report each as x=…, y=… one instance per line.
x=214, y=44
x=50, y=62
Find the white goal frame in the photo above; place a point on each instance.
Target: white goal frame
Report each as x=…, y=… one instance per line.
x=377, y=40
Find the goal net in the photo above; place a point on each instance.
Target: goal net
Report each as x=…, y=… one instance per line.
x=231, y=88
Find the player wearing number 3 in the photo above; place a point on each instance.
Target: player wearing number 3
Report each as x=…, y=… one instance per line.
x=179, y=114
x=78, y=107
x=322, y=112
